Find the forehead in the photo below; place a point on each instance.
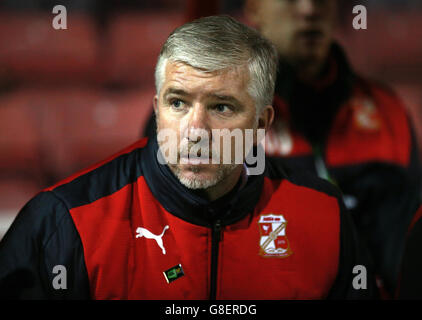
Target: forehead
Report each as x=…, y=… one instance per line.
x=227, y=81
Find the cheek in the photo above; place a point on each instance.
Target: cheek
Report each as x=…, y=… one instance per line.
x=164, y=121
x=235, y=124
x=236, y=143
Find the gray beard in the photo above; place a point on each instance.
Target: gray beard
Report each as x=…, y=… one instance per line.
x=196, y=183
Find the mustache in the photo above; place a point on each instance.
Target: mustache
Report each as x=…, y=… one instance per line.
x=200, y=149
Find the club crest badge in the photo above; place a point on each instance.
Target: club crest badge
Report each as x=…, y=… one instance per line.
x=273, y=241
x=366, y=116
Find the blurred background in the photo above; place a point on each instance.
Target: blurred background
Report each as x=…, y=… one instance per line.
x=69, y=98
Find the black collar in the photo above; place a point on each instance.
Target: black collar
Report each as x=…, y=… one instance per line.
x=183, y=203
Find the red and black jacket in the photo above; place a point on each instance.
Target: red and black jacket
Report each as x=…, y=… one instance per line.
x=89, y=223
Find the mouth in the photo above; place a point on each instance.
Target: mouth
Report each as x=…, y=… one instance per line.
x=311, y=36
x=195, y=161
x=197, y=158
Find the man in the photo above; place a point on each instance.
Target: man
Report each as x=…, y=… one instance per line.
x=332, y=122
x=142, y=225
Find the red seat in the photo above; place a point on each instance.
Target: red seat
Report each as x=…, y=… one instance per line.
x=32, y=50
x=20, y=136
x=390, y=44
x=14, y=194
x=51, y=133
x=135, y=40
x=85, y=126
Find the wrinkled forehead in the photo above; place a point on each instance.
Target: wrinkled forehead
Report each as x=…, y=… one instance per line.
x=179, y=66
x=182, y=74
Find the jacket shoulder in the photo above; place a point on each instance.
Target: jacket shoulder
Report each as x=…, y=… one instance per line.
x=101, y=179
x=315, y=183
x=373, y=126
x=387, y=101
x=277, y=171
x=42, y=237
x=39, y=219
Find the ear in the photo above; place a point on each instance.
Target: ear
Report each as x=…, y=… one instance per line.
x=250, y=10
x=155, y=103
x=266, y=118
x=264, y=121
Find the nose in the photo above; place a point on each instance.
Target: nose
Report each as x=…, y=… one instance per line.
x=309, y=8
x=197, y=121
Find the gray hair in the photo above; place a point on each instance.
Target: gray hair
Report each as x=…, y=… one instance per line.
x=218, y=42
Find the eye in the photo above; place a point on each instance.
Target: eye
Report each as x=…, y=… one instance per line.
x=223, y=108
x=177, y=104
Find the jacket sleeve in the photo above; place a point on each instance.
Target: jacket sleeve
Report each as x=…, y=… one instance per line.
x=42, y=237
x=387, y=195
x=355, y=279
x=410, y=279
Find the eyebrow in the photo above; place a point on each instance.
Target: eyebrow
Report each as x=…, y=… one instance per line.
x=182, y=92
x=179, y=92
x=225, y=98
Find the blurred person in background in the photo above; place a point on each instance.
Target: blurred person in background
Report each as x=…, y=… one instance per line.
x=347, y=129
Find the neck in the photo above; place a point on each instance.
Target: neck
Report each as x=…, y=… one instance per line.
x=311, y=71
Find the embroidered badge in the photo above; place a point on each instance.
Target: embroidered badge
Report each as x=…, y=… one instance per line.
x=174, y=273
x=142, y=232
x=273, y=241
x=366, y=116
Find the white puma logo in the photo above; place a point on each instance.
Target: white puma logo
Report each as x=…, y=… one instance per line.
x=142, y=232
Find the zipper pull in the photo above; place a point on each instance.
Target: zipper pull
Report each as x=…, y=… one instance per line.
x=217, y=230
x=216, y=237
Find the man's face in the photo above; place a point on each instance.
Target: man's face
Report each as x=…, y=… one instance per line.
x=300, y=29
x=191, y=100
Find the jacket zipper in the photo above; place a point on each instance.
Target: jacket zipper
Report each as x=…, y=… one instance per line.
x=215, y=244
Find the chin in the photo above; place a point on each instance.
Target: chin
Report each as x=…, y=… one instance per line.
x=201, y=176
x=197, y=181
x=310, y=55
